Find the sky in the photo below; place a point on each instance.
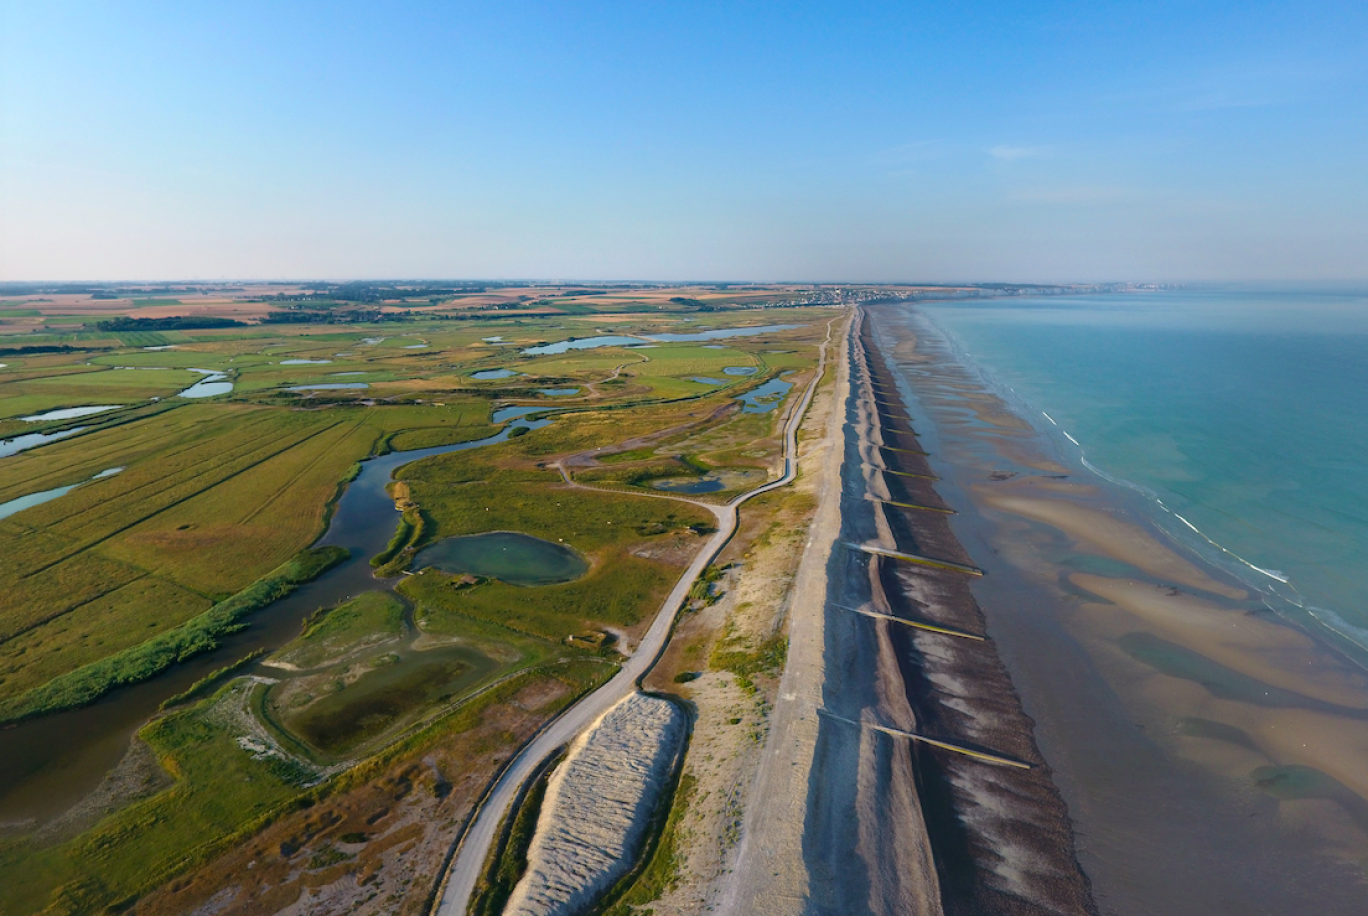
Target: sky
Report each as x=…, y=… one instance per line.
x=802, y=141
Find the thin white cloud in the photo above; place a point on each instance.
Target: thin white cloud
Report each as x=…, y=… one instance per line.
x=1076, y=194
x=1013, y=153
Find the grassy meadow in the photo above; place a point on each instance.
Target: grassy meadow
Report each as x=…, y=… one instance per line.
x=214, y=506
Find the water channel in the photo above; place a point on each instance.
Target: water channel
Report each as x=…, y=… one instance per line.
x=49, y=763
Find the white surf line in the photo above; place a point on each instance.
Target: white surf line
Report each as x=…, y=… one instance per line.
x=1275, y=575
x=946, y=631
x=471, y=850
x=915, y=558
x=985, y=756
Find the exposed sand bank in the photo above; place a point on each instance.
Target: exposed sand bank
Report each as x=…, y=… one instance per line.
x=1132, y=679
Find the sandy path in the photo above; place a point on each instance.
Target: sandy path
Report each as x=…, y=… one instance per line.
x=473, y=847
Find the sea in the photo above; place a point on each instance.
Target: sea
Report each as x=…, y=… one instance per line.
x=1237, y=415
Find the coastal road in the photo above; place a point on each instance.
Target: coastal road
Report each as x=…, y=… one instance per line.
x=453, y=898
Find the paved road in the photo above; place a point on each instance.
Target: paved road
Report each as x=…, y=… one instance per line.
x=466, y=866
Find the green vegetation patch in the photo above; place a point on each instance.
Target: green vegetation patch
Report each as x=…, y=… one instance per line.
x=367, y=619
x=154, y=656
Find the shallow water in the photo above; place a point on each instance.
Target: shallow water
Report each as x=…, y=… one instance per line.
x=509, y=556
x=689, y=485
x=740, y=370
x=513, y=413
x=387, y=695
x=305, y=362
x=766, y=397
x=487, y=374
x=211, y=385
x=46, y=496
x=1239, y=411
x=558, y=392
x=33, y=440
x=590, y=343
x=69, y=413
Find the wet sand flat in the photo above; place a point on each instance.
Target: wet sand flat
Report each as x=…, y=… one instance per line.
x=1211, y=755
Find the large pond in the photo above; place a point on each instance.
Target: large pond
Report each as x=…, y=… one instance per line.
x=518, y=559
x=608, y=340
x=386, y=696
x=49, y=763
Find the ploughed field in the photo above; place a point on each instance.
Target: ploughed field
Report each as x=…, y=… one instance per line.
x=338, y=763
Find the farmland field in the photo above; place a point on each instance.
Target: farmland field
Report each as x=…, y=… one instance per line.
x=183, y=509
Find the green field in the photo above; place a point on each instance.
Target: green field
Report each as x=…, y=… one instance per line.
x=216, y=499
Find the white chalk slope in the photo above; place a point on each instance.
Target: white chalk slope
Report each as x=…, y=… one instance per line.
x=598, y=805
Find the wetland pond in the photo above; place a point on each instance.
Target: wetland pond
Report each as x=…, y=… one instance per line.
x=49, y=763
x=689, y=485
x=518, y=559
x=609, y=340
x=69, y=413
x=766, y=397
x=394, y=687
x=485, y=375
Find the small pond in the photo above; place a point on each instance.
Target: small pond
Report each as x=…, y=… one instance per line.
x=689, y=485
x=726, y=332
x=414, y=347
x=20, y=443
x=305, y=362
x=67, y=413
x=740, y=370
x=340, y=374
x=704, y=380
x=558, y=392
x=330, y=386
x=607, y=340
x=485, y=375
x=518, y=559
x=211, y=385
x=766, y=397
x=37, y=499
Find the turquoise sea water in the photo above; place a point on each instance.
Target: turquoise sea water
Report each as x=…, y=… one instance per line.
x=1241, y=414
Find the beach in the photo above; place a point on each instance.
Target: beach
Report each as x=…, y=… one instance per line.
x=1210, y=753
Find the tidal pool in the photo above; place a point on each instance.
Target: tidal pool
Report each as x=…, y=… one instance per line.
x=518, y=559
x=386, y=696
x=485, y=375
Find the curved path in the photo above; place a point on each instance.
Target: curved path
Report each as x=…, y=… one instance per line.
x=458, y=885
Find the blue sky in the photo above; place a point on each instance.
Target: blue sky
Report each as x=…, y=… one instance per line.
x=651, y=140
